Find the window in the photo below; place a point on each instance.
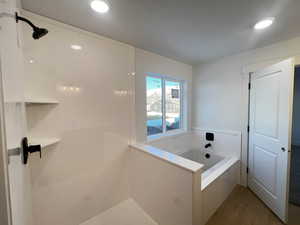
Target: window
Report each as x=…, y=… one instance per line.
x=164, y=105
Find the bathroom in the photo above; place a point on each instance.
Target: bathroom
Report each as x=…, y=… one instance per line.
x=112, y=114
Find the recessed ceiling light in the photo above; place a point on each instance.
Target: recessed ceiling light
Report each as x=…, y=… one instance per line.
x=31, y=61
x=264, y=23
x=76, y=47
x=100, y=6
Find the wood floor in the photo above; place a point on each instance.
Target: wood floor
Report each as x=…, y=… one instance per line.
x=294, y=215
x=243, y=208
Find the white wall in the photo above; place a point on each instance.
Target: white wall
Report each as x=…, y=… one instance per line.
x=85, y=173
x=217, y=86
x=149, y=62
x=220, y=88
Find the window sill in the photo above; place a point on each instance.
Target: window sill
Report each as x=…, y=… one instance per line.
x=165, y=135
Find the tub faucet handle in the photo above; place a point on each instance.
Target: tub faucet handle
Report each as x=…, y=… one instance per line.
x=207, y=145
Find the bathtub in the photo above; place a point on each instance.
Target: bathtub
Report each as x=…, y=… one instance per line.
x=213, y=165
x=218, y=178
x=207, y=159
x=210, y=174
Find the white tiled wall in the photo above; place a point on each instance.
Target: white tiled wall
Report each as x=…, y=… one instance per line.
x=85, y=173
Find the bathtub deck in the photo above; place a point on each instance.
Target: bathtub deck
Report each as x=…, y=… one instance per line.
x=243, y=208
x=126, y=213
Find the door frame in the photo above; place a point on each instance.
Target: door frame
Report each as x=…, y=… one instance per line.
x=5, y=212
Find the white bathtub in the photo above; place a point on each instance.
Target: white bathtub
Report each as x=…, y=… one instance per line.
x=219, y=177
x=214, y=165
x=211, y=179
x=205, y=158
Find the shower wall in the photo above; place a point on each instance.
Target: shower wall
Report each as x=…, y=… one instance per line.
x=12, y=90
x=85, y=173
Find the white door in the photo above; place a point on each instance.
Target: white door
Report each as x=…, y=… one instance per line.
x=16, y=176
x=271, y=97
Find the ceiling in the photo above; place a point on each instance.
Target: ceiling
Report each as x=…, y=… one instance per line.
x=191, y=31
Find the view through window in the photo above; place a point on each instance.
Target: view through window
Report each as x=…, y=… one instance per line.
x=163, y=105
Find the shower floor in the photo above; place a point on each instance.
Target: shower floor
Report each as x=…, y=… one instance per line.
x=125, y=213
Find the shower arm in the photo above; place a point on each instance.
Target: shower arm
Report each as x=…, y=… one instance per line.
x=37, y=31
x=25, y=20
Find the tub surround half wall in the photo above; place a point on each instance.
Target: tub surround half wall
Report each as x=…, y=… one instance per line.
x=168, y=157
x=170, y=192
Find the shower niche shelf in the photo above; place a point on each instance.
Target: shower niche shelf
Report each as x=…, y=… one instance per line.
x=36, y=116
x=40, y=101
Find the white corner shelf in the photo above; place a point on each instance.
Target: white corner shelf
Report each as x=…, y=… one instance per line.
x=44, y=142
x=40, y=101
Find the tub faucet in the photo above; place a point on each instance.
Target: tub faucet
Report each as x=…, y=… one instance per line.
x=207, y=145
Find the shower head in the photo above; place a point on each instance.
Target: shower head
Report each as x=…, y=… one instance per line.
x=37, y=31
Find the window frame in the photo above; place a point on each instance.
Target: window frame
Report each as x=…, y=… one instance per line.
x=182, y=117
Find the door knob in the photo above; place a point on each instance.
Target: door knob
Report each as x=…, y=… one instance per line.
x=283, y=149
x=26, y=149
